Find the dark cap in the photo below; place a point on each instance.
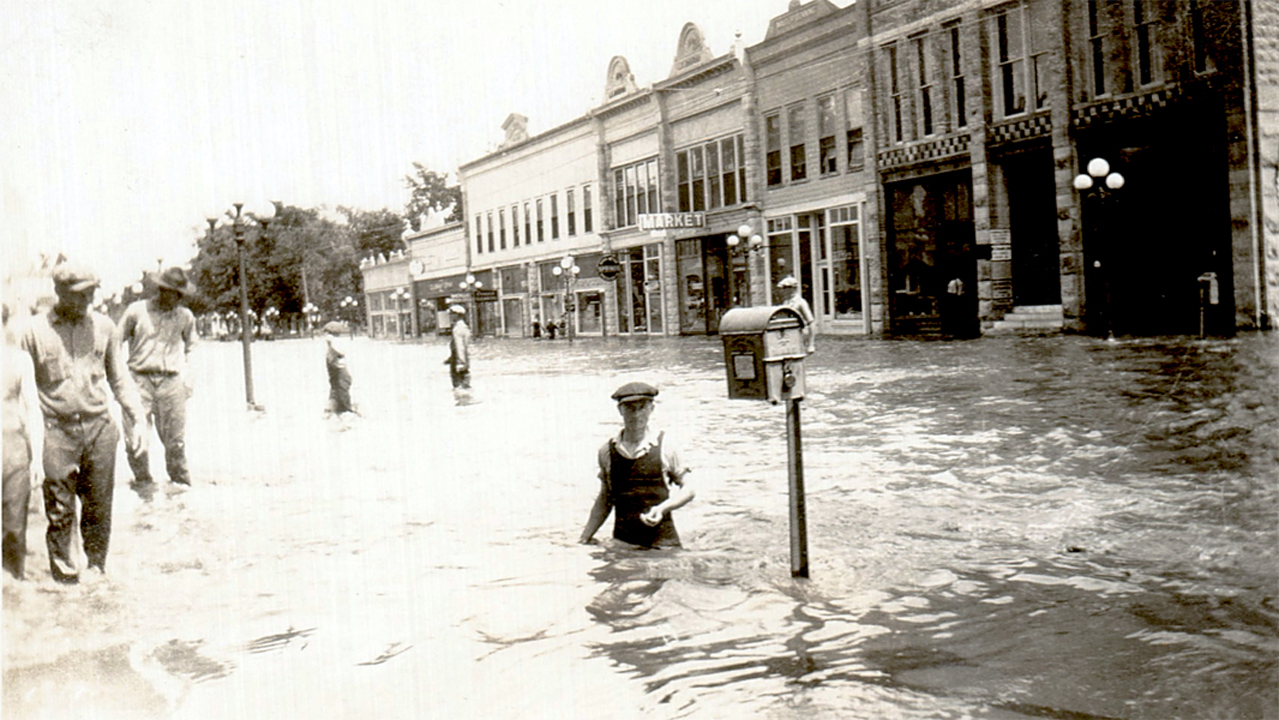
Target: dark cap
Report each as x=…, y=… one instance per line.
x=75, y=278
x=635, y=391
x=175, y=278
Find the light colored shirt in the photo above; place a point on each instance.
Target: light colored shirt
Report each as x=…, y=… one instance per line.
x=460, y=345
x=71, y=360
x=159, y=340
x=797, y=303
x=17, y=364
x=671, y=465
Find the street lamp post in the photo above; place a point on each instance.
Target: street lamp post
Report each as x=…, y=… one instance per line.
x=1088, y=186
x=471, y=286
x=311, y=315
x=238, y=225
x=400, y=295
x=347, y=307
x=569, y=270
x=747, y=244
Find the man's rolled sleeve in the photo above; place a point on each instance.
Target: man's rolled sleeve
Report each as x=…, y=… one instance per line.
x=121, y=381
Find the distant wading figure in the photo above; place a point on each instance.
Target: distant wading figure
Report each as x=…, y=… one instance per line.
x=459, y=360
x=160, y=334
x=335, y=352
x=795, y=301
x=641, y=477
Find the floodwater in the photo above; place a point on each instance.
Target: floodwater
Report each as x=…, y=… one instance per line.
x=1003, y=528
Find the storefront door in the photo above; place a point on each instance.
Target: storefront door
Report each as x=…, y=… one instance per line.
x=703, y=284
x=932, y=266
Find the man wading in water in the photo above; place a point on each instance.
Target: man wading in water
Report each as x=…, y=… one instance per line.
x=641, y=477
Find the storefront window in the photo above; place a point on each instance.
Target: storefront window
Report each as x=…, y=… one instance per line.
x=845, y=266
x=780, y=255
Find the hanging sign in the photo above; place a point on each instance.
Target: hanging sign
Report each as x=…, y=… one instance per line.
x=608, y=267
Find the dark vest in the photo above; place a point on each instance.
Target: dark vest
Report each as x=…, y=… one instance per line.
x=635, y=486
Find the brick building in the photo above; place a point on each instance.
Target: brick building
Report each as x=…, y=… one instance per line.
x=986, y=114
x=914, y=164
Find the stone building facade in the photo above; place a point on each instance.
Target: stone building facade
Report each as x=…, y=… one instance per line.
x=915, y=165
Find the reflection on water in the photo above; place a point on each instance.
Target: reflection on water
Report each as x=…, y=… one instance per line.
x=1043, y=528
x=1004, y=528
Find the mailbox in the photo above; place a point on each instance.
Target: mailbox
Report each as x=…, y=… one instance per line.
x=1208, y=292
x=764, y=353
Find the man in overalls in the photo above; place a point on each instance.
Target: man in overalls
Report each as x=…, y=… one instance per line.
x=641, y=477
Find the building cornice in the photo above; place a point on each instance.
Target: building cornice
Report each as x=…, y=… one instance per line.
x=525, y=144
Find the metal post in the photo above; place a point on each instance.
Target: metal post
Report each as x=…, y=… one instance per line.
x=798, y=513
x=245, y=340
x=569, y=302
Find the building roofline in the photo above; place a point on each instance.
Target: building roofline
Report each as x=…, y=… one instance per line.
x=526, y=142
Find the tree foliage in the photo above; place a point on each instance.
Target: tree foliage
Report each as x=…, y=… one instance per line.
x=302, y=256
x=431, y=192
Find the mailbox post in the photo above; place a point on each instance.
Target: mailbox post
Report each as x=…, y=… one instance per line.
x=1208, y=295
x=764, y=353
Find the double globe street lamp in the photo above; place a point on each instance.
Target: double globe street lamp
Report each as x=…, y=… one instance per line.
x=399, y=296
x=240, y=222
x=1101, y=183
x=569, y=269
x=347, y=309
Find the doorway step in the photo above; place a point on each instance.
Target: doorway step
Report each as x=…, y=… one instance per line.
x=1029, y=320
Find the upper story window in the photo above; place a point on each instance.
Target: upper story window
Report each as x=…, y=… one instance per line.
x=854, y=148
x=711, y=175
x=1023, y=43
x=773, y=148
x=895, y=94
x=796, y=134
x=586, y=208
x=924, y=71
x=1098, y=34
x=571, y=209
x=957, y=77
x=635, y=189
x=555, y=216
x=541, y=231
x=501, y=228
x=490, y=225
x=479, y=234
x=827, y=155
x=515, y=226
x=528, y=224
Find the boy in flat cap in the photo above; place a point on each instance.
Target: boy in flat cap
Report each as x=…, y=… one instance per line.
x=641, y=477
x=160, y=334
x=73, y=349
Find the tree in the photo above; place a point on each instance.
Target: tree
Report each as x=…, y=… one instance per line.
x=431, y=193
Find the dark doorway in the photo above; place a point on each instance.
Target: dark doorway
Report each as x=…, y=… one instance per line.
x=704, y=284
x=1032, y=211
x=932, y=268
x=1147, y=243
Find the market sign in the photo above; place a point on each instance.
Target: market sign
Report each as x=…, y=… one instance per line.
x=671, y=221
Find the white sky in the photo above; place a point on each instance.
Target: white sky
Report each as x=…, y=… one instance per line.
x=125, y=123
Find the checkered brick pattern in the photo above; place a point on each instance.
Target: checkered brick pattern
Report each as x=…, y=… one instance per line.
x=924, y=152
x=1024, y=129
x=1130, y=107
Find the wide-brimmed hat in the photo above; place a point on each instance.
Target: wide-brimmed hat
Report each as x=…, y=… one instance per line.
x=175, y=278
x=336, y=327
x=457, y=309
x=73, y=277
x=788, y=281
x=634, y=391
